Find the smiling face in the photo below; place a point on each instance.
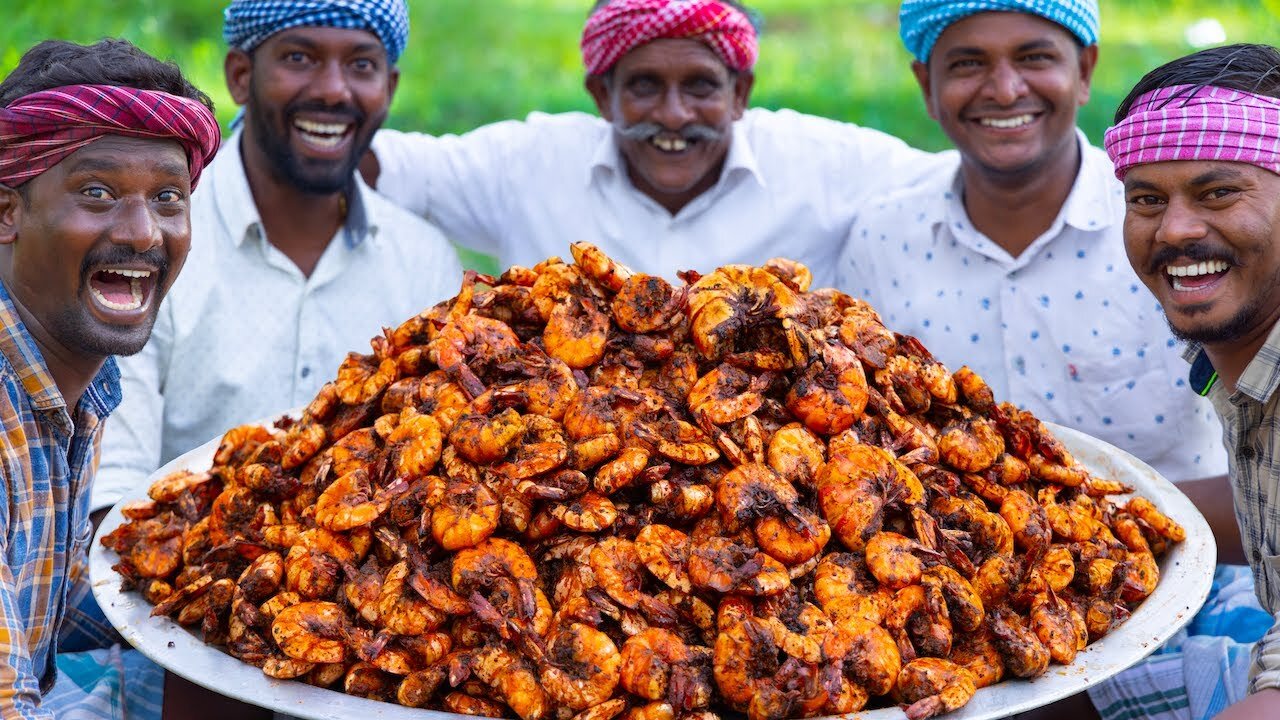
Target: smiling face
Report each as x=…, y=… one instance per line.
x=94, y=243
x=1205, y=238
x=1005, y=87
x=313, y=99
x=672, y=104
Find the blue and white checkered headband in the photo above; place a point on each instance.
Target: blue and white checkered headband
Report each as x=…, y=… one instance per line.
x=921, y=22
x=249, y=22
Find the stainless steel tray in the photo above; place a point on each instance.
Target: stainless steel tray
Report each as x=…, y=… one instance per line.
x=1186, y=575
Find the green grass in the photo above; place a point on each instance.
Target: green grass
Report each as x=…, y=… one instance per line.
x=471, y=62
x=475, y=61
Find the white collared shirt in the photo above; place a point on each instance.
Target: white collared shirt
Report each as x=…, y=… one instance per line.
x=244, y=335
x=1065, y=329
x=525, y=190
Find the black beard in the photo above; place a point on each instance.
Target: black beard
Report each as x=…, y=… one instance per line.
x=307, y=176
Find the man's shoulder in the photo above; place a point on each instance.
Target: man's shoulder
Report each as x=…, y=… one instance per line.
x=398, y=225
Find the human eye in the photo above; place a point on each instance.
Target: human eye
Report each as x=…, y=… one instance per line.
x=963, y=64
x=643, y=86
x=1220, y=193
x=295, y=57
x=1144, y=200
x=169, y=196
x=96, y=192
x=702, y=87
x=364, y=65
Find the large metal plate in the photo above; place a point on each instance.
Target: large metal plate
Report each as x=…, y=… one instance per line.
x=1186, y=575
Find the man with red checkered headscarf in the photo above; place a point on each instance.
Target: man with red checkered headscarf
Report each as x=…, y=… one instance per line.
x=100, y=148
x=675, y=173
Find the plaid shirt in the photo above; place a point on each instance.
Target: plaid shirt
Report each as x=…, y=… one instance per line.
x=47, y=460
x=1251, y=431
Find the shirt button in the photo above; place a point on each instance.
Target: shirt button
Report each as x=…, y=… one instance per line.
x=305, y=371
x=1248, y=452
x=1257, y=555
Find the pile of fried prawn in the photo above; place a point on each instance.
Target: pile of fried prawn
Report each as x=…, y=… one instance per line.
x=579, y=492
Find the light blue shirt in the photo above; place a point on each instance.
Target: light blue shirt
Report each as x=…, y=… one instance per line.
x=244, y=335
x=1065, y=329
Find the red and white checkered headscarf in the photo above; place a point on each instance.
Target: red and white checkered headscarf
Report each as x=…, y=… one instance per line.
x=1187, y=122
x=39, y=130
x=622, y=25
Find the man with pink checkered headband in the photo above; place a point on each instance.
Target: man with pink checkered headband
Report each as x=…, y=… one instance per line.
x=1197, y=146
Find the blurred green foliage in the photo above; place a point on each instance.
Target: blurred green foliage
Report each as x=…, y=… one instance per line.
x=471, y=62
x=474, y=61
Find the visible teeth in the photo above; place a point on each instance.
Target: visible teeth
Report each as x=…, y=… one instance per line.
x=1209, y=267
x=130, y=273
x=320, y=128
x=323, y=141
x=671, y=144
x=1006, y=123
x=135, y=289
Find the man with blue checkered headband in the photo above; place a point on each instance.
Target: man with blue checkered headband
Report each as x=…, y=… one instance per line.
x=294, y=260
x=1014, y=263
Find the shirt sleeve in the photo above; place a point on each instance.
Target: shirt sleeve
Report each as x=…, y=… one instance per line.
x=19, y=687
x=458, y=182
x=1264, y=674
x=132, y=435
x=891, y=162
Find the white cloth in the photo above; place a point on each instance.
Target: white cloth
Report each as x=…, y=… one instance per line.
x=524, y=191
x=244, y=335
x=1065, y=329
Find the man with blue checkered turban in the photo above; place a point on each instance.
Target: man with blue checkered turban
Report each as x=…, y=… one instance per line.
x=294, y=260
x=1013, y=263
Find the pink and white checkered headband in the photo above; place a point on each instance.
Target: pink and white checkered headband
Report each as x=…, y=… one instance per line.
x=623, y=25
x=1189, y=122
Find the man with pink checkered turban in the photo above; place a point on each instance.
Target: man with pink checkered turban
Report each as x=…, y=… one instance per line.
x=676, y=172
x=100, y=149
x=1197, y=146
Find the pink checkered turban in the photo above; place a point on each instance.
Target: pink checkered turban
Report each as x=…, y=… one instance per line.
x=39, y=130
x=622, y=25
x=1194, y=122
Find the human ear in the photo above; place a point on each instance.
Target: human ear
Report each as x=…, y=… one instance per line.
x=11, y=207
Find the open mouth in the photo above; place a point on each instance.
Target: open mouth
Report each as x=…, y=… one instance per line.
x=121, y=290
x=323, y=135
x=671, y=144
x=1008, y=123
x=1194, y=277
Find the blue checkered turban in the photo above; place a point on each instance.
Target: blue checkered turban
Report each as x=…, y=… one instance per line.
x=249, y=22
x=921, y=22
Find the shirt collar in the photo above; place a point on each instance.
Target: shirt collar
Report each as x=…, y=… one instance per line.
x=21, y=353
x=1260, y=379
x=607, y=158
x=239, y=213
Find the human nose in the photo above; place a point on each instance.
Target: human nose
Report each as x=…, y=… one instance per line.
x=1179, y=224
x=330, y=84
x=673, y=112
x=1005, y=84
x=136, y=226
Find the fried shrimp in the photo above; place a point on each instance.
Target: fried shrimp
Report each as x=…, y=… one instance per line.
x=932, y=686
x=350, y=501
x=581, y=666
x=313, y=632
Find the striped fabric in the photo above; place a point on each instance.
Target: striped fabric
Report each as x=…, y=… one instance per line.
x=249, y=22
x=921, y=22
x=47, y=458
x=38, y=130
x=623, y=25
x=1197, y=122
x=1201, y=670
x=1251, y=431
